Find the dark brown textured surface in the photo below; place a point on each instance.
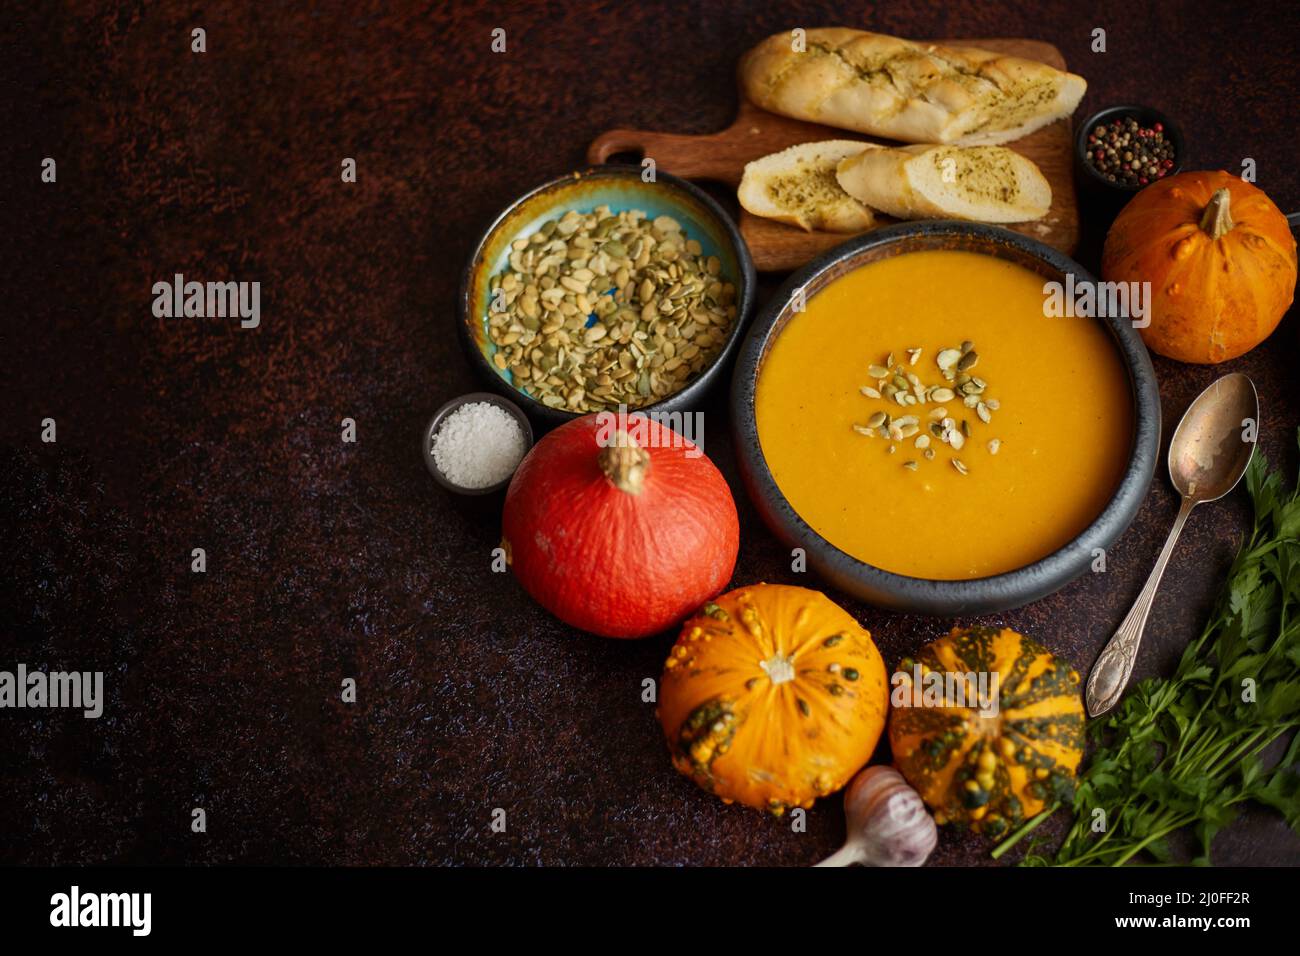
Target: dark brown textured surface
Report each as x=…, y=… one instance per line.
x=328, y=560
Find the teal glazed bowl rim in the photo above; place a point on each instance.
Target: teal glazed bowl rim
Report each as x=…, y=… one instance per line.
x=919, y=595
x=689, y=204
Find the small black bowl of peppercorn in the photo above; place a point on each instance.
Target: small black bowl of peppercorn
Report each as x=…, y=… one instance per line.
x=1122, y=149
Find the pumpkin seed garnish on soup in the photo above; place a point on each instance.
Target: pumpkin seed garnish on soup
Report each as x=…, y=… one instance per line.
x=599, y=309
x=905, y=388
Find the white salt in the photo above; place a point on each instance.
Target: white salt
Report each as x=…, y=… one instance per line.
x=478, y=445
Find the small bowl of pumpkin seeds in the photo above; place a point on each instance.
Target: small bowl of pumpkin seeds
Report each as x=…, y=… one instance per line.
x=601, y=289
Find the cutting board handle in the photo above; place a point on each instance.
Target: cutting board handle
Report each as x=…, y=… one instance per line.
x=691, y=157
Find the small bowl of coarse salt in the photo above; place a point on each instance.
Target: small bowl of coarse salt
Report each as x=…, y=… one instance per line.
x=474, y=443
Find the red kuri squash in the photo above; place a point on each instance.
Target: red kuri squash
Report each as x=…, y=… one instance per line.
x=620, y=531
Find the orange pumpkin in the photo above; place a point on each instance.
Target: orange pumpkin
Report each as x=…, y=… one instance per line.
x=1220, y=258
x=773, y=696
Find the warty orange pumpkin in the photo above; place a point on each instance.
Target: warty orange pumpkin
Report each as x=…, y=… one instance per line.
x=772, y=696
x=1220, y=258
x=988, y=764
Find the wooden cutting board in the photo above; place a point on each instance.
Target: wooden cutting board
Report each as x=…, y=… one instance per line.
x=778, y=247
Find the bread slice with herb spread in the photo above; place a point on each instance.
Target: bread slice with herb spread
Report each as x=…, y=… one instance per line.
x=980, y=183
x=914, y=92
x=798, y=186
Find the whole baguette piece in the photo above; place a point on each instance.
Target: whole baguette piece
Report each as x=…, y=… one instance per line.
x=799, y=186
x=917, y=93
x=980, y=183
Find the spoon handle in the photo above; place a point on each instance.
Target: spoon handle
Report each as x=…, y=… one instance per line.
x=1110, y=674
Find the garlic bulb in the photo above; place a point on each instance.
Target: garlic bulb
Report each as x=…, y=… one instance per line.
x=888, y=824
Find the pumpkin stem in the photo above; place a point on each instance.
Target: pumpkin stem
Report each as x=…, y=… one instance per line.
x=1217, y=218
x=625, y=463
x=779, y=669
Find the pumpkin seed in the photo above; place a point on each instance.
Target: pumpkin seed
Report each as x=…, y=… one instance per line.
x=947, y=359
x=910, y=465
x=905, y=389
x=994, y=445
x=661, y=308
x=961, y=468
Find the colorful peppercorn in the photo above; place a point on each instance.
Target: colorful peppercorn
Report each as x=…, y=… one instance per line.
x=1129, y=154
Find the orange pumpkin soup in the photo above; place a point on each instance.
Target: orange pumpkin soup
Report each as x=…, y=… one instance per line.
x=1015, y=435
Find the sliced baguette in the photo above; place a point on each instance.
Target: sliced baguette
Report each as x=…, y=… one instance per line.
x=980, y=183
x=798, y=186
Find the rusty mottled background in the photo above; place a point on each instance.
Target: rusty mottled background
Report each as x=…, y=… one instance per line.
x=328, y=560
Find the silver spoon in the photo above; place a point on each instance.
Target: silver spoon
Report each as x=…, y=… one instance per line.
x=1207, y=457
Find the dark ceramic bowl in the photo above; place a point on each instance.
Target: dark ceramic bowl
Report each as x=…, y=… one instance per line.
x=1094, y=188
x=621, y=188
x=897, y=591
x=426, y=439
